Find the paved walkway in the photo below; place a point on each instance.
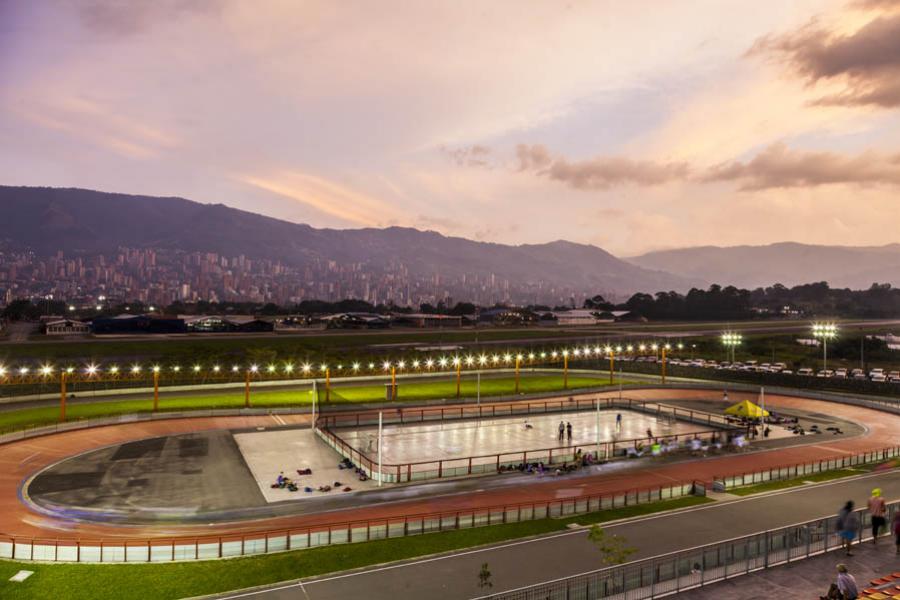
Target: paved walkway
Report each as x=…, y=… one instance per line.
x=805, y=579
x=527, y=562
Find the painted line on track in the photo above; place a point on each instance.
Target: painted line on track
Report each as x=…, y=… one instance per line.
x=607, y=524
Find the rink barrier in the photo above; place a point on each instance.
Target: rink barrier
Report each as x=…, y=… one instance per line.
x=123, y=550
x=683, y=570
x=328, y=428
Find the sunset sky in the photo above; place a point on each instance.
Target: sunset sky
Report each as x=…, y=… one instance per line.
x=630, y=125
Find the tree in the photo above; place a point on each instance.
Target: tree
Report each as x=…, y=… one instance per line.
x=484, y=577
x=613, y=550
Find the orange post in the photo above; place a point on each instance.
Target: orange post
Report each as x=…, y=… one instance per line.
x=328, y=384
x=458, y=377
x=62, y=396
x=663, y=365
x=247, y=389
x=517, y=375
x=155, y=391
x=393, y=383
x=566, y=371
x=612, y=367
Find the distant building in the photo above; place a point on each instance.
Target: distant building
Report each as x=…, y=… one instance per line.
x=65, y=327
x=427, y=321
x=127, y=324
x=226, y=324
x=356, y=320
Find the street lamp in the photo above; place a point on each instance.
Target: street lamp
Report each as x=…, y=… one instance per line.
x=731, y=340
x=824, y=332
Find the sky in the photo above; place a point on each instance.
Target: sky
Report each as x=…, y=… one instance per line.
x=634, y=126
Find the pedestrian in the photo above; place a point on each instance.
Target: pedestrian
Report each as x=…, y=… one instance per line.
x=562, y=430
x=569, y=431
x=618, y=422
x=847, y=526
x=895, y=529
x=725, y=395
x=649, y=433
x=846, y=583
x=877, y=510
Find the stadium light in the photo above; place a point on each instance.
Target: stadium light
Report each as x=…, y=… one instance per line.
x=46, y=370
x=731, y=340
x=824, y=332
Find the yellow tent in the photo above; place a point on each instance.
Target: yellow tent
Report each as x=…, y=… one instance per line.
x=746, y=409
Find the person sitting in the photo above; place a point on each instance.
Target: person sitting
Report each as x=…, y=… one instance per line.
x=846, y=583
x=280, y=479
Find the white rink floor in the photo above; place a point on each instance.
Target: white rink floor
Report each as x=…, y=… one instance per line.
x=269, y=452
x=455, y=439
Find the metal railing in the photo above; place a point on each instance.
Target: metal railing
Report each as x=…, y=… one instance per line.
x=668, y=574
x=342, y=532
x=328, y=426
x=339, y=532
x=792, y=471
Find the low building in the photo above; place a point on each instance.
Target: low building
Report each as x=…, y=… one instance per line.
x=427, y=321
x=65, y=327
x=356, y=320
x=226, y=324
x=128, y=324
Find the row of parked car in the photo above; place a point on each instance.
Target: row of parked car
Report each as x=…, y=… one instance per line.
x=876, y=374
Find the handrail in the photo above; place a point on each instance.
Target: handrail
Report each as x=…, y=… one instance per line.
x=344, y=531
x=641, y=591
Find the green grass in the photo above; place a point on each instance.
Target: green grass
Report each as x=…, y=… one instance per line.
x=410, y=392
x=164, y=581
x=282, y=345
x=782, y=484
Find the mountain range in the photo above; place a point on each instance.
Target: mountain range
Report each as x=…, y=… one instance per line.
x=788, y=263
x=79, y=221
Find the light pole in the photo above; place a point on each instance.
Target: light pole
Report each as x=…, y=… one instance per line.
x=824, y=332
x=731, y=340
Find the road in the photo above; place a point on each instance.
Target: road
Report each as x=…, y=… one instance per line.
x=525, y=562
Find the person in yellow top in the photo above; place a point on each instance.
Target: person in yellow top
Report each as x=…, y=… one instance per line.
x=877, y=511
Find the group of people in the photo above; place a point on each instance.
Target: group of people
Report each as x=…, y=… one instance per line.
x=849, y=527
x=565, y=430
x=286, y=483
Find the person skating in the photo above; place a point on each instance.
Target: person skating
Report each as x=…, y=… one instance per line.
x=562, y=430
x=569, y=431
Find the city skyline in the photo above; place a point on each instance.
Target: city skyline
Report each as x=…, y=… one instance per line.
x=628, y=127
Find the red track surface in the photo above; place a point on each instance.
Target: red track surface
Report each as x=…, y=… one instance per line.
x=19, y=460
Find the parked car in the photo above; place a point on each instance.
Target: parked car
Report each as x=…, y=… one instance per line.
x=805, y=371
x=860, y=376
x=879, y=377
x=825, y=373
x=841, y=373
x=786, y=372
x=875, y=372
x=856, y=372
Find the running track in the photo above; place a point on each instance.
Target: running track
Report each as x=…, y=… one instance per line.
x=19, y=460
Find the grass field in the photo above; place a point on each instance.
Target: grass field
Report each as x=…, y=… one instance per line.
x=179, y=580
x=283, y=345
x=771, y=486
x=410, y=392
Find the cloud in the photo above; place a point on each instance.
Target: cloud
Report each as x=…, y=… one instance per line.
x=598, y=173
x=469, y=156
x=866, y=62
x=327, y=197
x=780, y=167
x=129, y=18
